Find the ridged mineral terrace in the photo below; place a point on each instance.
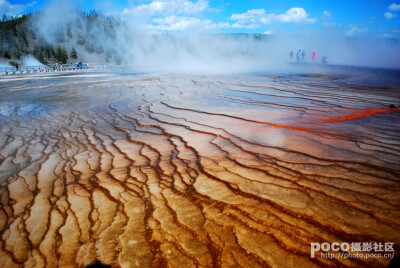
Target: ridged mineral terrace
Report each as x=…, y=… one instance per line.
x=186, y=171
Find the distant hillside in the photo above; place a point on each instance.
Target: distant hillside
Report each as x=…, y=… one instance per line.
x=86, y=37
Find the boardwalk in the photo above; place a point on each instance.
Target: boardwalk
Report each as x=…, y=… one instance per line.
x=50, y=68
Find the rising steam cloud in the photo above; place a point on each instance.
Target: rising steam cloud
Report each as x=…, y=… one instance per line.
x=202, y=52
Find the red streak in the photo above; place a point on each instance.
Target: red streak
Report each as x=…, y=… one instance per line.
x=361, y=114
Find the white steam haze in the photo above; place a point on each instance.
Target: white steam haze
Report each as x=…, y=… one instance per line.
x=4, y=65
x=199, y=48
x=29, y=60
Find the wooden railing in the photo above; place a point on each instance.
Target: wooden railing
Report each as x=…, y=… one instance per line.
x=50, y=68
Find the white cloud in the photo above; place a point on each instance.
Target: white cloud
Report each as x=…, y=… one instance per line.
x=394, y=7
x=351, y=31
x=31, y=4
x=176, y=23
x=327, y=14
x=296, y=15
x=268, y=32
x=267, y=19
x=238, y=25
x=167, y=8
x=169, y=15
x=251, y=15
x=255, y=17
x=389, y=15
x=354, y=30
x=11, y=10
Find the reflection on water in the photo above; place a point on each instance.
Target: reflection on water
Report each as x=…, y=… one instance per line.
x=156, y=170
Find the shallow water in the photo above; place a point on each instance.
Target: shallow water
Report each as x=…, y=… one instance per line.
x=178, y=170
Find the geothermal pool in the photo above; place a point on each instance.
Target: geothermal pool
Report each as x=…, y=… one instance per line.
x=150, y=170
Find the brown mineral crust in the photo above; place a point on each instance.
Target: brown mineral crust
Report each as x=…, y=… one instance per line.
x=182, y=171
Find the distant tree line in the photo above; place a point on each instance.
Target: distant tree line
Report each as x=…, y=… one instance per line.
x=19, y=36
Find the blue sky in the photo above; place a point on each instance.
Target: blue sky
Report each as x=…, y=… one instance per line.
x=355, y=17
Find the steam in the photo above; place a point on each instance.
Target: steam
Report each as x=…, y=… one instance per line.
x=29, y=60
x=222, y=53
x=5, y=65
x=200, y=52
x=54, y=18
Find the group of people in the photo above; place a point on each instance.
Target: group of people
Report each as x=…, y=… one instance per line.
x=58, y=66
x=301, y=55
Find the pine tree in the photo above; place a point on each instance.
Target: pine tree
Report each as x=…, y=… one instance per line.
x=7, y=55
x=61, y=54
x=73, y=53
x=41, y=58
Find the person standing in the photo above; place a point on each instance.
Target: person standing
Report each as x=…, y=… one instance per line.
x=303, y=56
x=298, y=55
x=314, y=55
x=291, y=55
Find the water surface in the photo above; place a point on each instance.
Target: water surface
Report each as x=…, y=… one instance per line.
x=157, y=170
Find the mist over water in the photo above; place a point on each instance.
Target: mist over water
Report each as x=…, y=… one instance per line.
x=250, y=53
x=197, y=51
